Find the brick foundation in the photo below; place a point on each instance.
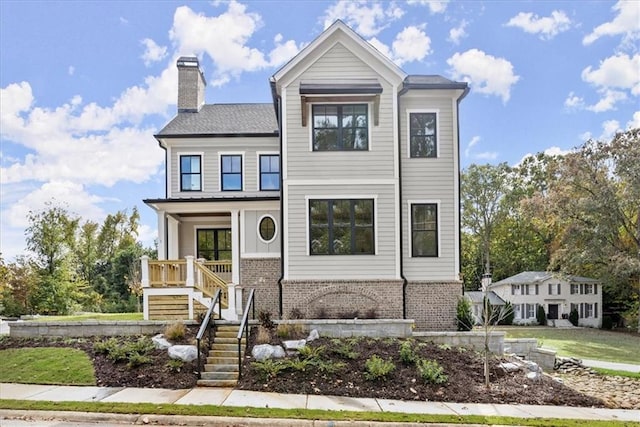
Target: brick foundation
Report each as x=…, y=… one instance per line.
x=261, y=274
x=337, y=299
x=433, y=304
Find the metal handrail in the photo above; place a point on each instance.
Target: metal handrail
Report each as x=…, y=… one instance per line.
x=206, y=324
x=244, y=326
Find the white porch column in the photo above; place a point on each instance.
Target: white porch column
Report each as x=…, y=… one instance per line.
x=235, y=247
x=173, y=238
x=162, y=254
x=144, y=271
x=190, y=271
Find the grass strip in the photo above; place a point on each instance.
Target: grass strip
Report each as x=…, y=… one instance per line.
x=46, y=365
x=90, y=316
x=613, y=372
x=310, y=414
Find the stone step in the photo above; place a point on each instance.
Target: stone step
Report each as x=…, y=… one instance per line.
x=217, y=367
x=223, y=376
x=217, y=383
x=222, y=360
x=227, y=340
x=223, y=353
x=224, y=347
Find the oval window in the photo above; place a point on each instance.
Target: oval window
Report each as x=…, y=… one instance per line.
x=267, y=229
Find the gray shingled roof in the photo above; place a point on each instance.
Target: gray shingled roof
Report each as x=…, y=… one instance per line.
x=224, y=119
x=537, y=276
x=432, y=81
x=476, y=297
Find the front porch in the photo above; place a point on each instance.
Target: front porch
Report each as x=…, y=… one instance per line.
x=183, y=289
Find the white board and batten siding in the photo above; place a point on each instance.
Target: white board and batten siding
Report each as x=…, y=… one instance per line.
x=340, y=174
x=431, y=180
x=210, y=149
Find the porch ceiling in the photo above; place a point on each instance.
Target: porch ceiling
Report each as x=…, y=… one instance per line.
x=222, y=205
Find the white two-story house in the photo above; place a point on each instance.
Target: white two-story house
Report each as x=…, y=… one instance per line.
x=340, y=197
x=557, y=294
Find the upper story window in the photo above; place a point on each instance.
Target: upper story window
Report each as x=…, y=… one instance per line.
x=423, y=135
x=554, y=289
x=341, y=227
x=269, y=172
x=424, y=230
x=340, y=127
x=231, y=175
x=190, y=173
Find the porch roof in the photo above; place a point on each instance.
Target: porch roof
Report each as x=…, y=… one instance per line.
x=206, y=204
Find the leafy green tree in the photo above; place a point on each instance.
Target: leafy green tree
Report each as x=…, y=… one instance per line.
x=18, y=280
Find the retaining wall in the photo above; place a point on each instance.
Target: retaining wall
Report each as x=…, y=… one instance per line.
x=341, y=328
x=527, y=348
x=465, y=339
x=88, y=328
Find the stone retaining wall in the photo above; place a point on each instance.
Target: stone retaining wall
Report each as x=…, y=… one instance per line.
x=88, y=328
x=378, y=328
x=465, y=339
x=527, y=348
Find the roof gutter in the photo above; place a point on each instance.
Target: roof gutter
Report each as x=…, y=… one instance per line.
x=277, y=102
x=405, y=282
x=460, y=98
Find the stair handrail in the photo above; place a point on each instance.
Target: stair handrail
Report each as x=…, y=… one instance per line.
x=244, y=328
x=206, y=324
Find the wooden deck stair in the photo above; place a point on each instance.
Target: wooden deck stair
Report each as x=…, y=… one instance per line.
x=221, y=369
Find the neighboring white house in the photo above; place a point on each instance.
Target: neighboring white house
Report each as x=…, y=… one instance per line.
x=339, y=196
x=477, y=304
x=557, y=294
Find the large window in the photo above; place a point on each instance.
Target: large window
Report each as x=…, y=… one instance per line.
x=340, y=127
x=190, y=173
x=424, y=230
x=341, y=227
x=269, y=172
x=422, y=135
x=231, y=175
x=214, y=244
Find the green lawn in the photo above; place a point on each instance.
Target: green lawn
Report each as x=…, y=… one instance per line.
x=583, y=343
x=46, y=365
x=90, y=316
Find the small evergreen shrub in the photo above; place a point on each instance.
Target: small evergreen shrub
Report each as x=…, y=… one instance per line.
x=573, y=317
x=175, y=365
x=541, y=316
x=507, y=315
x=464, y=316
x=136, y=359
x=311, y=353
x=378, y=368
x=431, y=372
x=407, y=355
x=269, y=368
x=607, y=322
x=344, y=349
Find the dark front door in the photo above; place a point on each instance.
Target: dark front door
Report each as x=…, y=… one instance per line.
x=553, y=311
x=214, y=244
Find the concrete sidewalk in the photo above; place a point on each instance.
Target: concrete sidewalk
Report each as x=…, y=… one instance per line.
x=627, y=367
x=243, y=398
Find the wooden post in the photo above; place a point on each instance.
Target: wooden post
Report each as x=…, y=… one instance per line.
x=190, y=270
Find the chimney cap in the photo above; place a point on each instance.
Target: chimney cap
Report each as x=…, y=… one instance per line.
x=188, y=61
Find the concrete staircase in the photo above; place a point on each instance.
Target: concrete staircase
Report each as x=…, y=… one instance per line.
x=221, y=369
x=562, y=324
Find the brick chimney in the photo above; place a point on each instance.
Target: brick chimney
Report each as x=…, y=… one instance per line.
x=191, y=85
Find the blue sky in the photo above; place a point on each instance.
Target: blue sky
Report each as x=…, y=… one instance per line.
x=85, y=85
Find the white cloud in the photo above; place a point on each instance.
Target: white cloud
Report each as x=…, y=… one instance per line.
x=283, y=52
x=487, y=155
x=456, y=34
x=486, y=73
x=366, y=18
x=635, y=121
x=608, y=101
x=411, y=44
x=152, y=52
x=71, y=70
x=619, y=71
x=474, y=141
x=551, y=151
x=548, y=26
x=574, y=102
x=435, y=6
x=381, y=47
x=609, y=129
x=625, y=23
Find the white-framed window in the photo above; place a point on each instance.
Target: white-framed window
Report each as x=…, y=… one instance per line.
x=267, y=228
x=422, y=133
x=424, y=230
x=531, y=311
x=575, y=289
x=190, y=171
x=554, y=288
x=588, y=288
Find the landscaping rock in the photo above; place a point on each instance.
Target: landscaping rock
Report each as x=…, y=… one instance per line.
x=294, y=345
x=510, y=366
x=267, y=351
x=160, y=342
x=313, y=335
x=186, y=353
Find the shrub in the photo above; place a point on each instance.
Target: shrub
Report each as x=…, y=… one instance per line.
x=607, y=322
x=344, y=349
x=135, y=352
x=431, y=372
x=300, y=365
x=311, y=353
x=573, y=317
x=378, y=368
x=175, y=365
x=265, y=320
x=269, y=368
x=464, y=316
x=407, y=354
x=541, y=316
x=507, y=315
x=328, y=367
x=289, y=330
x=175, y=331
x=137, y=359
x=264, y=335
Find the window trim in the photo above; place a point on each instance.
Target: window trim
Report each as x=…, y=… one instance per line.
x=311, y=102
x=243, y=175
x=215, y=227
x=438, y=227
x=275, y=226
x=308, y=199
x=190, y=154
x=259, y=154
x=408, y=121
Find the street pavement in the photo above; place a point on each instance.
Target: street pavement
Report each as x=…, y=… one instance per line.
x=245, y=398
x=611, y=365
